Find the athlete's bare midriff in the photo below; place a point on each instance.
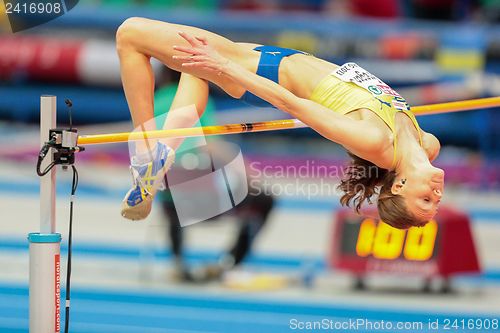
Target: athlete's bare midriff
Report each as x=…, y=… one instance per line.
x=301, y=73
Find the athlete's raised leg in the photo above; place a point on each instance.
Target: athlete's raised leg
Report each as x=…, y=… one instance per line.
x=149, y=168
x=139, y=39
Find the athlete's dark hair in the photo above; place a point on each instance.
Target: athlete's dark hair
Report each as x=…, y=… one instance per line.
x=363, y=179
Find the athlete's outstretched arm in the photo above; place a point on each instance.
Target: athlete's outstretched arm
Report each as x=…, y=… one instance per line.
x=332, y=125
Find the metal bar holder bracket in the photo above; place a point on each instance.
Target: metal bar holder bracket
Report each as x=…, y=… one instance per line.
x=57, y=148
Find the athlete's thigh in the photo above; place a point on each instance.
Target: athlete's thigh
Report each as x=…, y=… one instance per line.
x=158, y=39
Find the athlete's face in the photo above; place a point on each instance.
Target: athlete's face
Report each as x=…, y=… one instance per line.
x=422, y=191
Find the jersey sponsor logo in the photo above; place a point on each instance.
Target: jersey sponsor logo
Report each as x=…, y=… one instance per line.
x=274, y=53
x=351, y=72
x=400, y=103
x=375, y=90
x=385, y=103
x=388, y=90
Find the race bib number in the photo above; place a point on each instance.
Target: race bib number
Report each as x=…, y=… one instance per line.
x=351, y=72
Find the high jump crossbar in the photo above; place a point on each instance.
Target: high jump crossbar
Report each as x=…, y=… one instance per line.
x=45, y=267
x=273, y=125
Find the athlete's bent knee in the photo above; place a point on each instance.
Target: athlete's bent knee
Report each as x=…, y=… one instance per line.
x=129, y=32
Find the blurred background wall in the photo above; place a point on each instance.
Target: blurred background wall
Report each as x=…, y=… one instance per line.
x=429, y=50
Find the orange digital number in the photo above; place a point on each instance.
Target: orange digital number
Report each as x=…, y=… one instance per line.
x=388, y=242
x=365, y=238
x=385, y=242
x=420, y=242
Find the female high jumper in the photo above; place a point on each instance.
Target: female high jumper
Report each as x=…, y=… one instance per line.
x=391, y=155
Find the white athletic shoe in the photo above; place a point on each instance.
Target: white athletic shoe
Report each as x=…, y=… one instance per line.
x=148, y=178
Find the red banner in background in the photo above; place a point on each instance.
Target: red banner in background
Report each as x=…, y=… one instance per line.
x=39, y=59
x=92, y=62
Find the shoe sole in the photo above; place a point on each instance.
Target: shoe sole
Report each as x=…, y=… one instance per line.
x=143, y=209
x=139, y=211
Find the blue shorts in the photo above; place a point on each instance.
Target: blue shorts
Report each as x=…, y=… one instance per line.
x=269, y=63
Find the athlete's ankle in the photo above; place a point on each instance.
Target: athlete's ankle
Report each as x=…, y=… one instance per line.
x=144, y=156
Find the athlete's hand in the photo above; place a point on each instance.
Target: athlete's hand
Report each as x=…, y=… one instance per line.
x=200, y=55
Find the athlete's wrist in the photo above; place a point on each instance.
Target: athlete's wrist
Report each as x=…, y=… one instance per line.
x=227, y=67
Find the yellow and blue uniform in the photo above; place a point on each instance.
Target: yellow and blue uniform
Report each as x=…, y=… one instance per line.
x=269, y=63
x=338, y=94
x=345, y=97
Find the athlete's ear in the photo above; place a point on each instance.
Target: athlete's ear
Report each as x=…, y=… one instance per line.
x=397, y=186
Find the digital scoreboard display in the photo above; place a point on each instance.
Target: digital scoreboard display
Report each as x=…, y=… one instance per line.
x=444, y=246
x=381, y=241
